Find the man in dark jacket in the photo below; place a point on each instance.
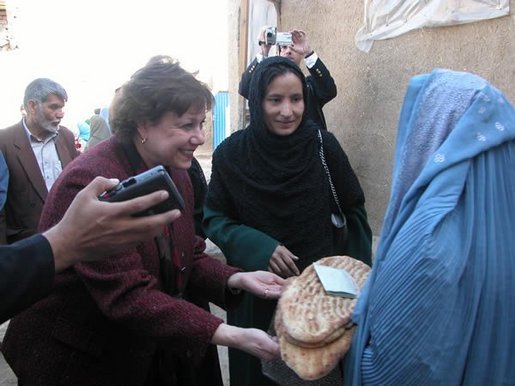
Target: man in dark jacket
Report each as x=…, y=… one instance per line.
x=36, y=150
x=321, y=86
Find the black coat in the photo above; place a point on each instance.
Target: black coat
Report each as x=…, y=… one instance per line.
x=26, y=274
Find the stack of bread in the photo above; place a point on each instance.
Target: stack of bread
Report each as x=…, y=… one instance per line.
x=315, y=329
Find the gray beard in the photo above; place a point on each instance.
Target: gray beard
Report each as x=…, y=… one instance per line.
x=51, y=129
x=45, y=124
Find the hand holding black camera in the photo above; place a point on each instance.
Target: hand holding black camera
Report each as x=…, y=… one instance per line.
x=147, y=182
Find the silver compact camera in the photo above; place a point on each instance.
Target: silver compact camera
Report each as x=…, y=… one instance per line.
x=281, y=38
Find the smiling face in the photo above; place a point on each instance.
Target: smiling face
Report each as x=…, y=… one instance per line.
x=172, y=140
x=283, y=104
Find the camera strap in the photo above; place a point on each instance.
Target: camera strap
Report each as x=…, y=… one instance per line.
x=338, y=219
x=164, y=243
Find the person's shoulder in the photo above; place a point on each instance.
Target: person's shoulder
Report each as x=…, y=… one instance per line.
x=235, y=136
x=8, y=131
x=228, y=147
x=105, y=152
x=65, y=131
x=106, y=159
x=331, y=143
x=95, y=118
x=67, y=135
x=327, y=136
x=231, y=140
x=12, y=136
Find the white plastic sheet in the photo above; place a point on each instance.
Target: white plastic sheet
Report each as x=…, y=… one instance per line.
x=386, y=19
x=261, y=13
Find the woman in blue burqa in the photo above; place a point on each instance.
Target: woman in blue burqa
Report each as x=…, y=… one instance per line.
x=439, y=306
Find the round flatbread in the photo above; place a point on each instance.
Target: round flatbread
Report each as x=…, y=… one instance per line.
x=311, y=317
x=313, y=363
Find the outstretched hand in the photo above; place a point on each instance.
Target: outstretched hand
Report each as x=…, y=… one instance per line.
x=266, y=285
x=251, y=340
x=260, y=344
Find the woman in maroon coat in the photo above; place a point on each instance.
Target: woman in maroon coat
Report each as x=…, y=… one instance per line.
x=122, y=321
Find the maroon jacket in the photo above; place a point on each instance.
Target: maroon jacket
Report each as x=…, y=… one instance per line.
x=27, y=191
x=105, y=319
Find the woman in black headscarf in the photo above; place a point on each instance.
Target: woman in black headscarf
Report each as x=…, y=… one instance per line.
x=270, y=202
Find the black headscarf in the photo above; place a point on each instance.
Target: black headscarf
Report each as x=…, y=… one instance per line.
x=274, y=183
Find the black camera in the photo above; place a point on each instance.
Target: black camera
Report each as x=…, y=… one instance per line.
x=147, y=182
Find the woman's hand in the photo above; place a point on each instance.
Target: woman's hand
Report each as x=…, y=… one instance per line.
x=282, y=262
x=251, y=340
x=266, y=285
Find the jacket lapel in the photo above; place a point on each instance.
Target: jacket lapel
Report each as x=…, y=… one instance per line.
x=62, y=150
x=28, y=162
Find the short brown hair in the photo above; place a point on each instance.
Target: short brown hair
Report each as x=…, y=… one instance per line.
x=161, y=86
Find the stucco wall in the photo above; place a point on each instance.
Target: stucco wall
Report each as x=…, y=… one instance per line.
x=371, y=86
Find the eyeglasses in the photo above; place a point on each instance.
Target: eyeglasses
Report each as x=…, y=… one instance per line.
x=261, y=43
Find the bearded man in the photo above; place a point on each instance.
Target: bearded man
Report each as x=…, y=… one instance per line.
x=36, y=150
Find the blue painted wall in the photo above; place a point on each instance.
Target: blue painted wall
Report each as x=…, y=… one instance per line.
x=220, y=113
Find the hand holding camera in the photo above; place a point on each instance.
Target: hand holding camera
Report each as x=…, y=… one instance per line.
x=265, y=48
x=280, y=38
x=147, y=182
x=301, y=43
x=296, y=40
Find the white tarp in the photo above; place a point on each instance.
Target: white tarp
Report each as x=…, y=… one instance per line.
x=261, y=13
x=386, y=19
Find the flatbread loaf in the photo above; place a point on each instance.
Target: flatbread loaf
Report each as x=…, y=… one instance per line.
x=284, y=333
x=335, y=335
x=312, y=363
x=312, y=318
